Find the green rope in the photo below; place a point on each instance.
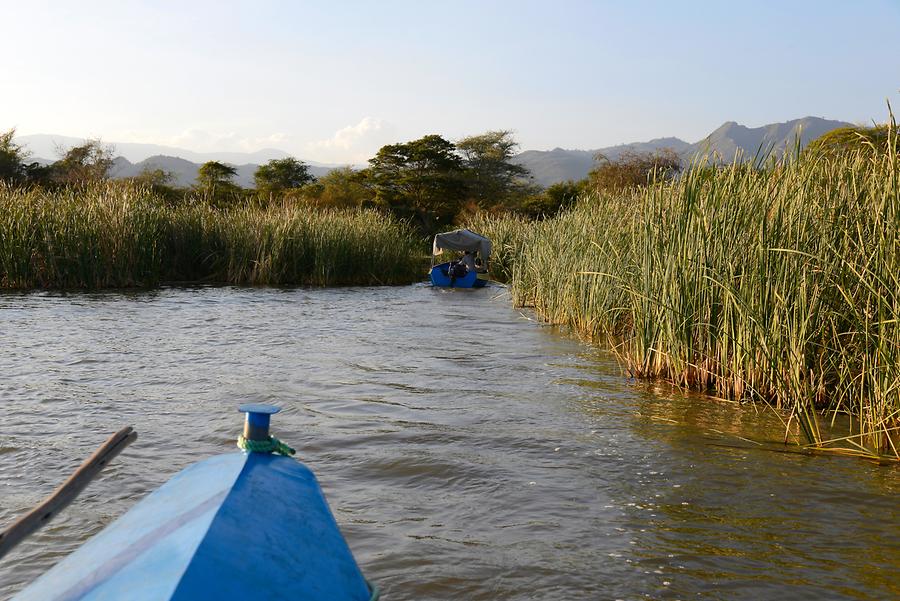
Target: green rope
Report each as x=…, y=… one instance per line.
x=272, y=445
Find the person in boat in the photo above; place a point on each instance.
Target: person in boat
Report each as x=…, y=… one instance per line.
x=457, y=269
x=468, y=259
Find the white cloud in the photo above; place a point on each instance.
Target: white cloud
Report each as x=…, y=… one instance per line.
x=353, y=144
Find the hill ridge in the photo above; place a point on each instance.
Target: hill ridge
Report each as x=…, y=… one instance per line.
x=729, y=140
x=548, y=167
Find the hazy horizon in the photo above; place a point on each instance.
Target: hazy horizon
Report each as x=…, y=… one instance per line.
x=333, y=84
x=265, y=153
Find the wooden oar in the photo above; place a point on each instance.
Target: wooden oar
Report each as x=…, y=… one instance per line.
x=66, y=492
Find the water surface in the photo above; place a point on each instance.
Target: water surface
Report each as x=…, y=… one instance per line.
x=467, y=451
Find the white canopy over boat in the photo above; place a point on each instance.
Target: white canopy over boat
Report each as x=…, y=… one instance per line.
x=462, y=240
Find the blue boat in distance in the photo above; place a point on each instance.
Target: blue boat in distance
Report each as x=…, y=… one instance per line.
x=454, y=274
x=248, y=525
x=441, y=276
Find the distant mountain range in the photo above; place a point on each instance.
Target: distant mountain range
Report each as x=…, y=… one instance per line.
x=132, y=159
x=722, y=145
x=184, y=172
x=47, y=146
x=547, y=166
x=558, y=165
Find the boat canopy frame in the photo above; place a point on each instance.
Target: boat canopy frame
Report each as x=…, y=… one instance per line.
x=461, y=240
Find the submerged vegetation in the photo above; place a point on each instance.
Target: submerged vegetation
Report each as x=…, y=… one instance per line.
x=116, y=235
x=779, y=285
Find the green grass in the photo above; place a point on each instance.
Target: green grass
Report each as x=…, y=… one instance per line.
x=115, y=235
x=780, y=285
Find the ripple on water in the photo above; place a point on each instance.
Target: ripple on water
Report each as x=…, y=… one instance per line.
x=466, y=452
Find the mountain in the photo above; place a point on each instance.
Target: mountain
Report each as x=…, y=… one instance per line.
x=49, y=145
x=733, y=139
x=548, y=167
x=184, y=172
x=723, y=144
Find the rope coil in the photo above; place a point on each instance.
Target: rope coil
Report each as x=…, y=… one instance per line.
x=271, y=445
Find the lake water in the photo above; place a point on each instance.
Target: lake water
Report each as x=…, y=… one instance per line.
x=467, y=451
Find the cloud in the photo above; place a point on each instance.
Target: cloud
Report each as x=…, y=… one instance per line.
x=353, y=144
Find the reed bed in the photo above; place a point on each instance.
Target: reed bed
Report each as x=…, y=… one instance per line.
x=779, y=285
x=116, y=235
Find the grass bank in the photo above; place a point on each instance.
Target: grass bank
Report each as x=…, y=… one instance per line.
x=114, y=235
x=779, y=285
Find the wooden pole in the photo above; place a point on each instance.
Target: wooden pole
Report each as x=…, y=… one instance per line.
x=66, y=492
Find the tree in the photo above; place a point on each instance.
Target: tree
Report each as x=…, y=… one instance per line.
x=12, y=159
x=556, y=198
x=279, y=175
x=36, y=173
x=154, y=177
x=215, y=182
x=159, y=182
x=341, y=187
x=633, y=170
x=83, y=164
x=491, y=176
x=422, y=178
x=214, y=173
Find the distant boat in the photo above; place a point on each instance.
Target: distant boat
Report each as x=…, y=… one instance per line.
x=453, y=274
x=240, y=526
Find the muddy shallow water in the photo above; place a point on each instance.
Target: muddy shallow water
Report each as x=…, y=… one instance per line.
x=467, y=451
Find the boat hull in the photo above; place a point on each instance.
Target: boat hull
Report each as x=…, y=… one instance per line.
x=237, y=526
x=440, y=276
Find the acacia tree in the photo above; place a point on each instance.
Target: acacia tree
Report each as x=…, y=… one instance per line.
x=89, y=162
x=215, y=182
x=491, y=176
x=421, y=178
x=213, y=174
x=279, y=175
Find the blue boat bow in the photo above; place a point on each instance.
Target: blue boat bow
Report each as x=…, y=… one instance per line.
x=245, y=525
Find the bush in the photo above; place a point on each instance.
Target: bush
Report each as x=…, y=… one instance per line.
x=633, y=170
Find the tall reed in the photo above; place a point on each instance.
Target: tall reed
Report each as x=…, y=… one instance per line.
x=779, y=285
x=116, y=235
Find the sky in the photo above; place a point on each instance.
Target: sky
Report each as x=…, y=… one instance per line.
x=334, y=81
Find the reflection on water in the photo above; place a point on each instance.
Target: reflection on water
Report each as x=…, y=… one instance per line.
x=467, y=452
